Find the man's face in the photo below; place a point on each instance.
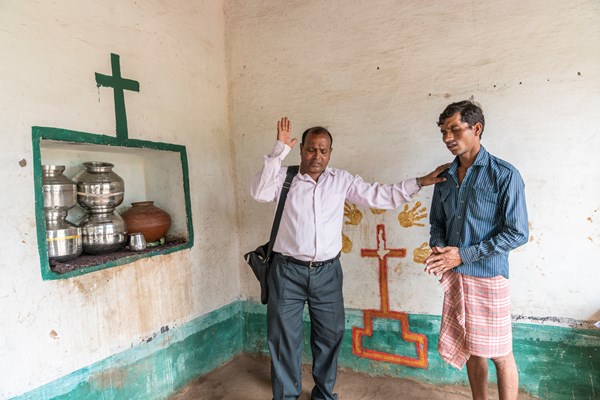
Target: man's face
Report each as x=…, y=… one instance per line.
x=459, y=137
x=315, y=153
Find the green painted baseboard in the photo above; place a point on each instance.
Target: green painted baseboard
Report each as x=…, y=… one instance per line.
x=554, y=362
x=159, y=365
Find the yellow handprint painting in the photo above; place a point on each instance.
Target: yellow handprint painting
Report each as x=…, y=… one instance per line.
x=408, y=218
x=346, y=244
x=353, y=214
x=421, y=253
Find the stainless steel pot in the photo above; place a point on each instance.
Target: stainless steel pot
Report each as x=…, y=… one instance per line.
x=60, y=193
x=63, y=239
x=98, y=187
x=103, y=232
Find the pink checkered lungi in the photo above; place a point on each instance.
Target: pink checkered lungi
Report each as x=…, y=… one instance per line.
x=476, y=318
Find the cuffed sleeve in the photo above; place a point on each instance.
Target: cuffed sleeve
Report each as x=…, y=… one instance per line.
x=267, y=183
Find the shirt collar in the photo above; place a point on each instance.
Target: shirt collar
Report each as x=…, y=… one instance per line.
x=326, y=172
x=483, y=158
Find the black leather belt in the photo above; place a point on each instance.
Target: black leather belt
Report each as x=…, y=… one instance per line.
x=310, y=264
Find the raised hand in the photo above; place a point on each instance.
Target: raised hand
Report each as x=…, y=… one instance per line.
x=284, y=132
x=433, y=177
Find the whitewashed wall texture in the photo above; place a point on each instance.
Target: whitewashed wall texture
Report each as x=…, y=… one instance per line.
x=50, y=52
x=379, y=73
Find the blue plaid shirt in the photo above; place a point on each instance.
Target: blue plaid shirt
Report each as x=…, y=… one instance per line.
x=485, y=216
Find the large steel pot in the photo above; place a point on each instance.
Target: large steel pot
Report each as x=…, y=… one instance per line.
x=98, y=187
x=63, y=239
x=60, y=193
x=103, y=232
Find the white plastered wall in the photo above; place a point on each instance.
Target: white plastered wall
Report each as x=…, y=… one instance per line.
x=376, y=73
x=50, y=52
x=379, y=73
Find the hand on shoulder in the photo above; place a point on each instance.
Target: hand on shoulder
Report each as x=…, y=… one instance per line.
x=433, y=177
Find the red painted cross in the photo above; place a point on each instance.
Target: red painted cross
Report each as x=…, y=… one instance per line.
x=420, y=340
x=383, y=253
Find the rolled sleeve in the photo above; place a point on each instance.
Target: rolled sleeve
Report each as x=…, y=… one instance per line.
x=267, y=183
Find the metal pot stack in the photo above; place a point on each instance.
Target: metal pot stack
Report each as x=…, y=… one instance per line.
x=100, y=191
x=63, y=239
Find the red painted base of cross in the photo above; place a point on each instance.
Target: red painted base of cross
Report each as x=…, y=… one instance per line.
x=420, y=340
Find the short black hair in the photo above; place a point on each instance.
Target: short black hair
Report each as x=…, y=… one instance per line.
x=470, y=113
x=317, y=130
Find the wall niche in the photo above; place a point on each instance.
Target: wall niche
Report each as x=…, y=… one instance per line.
x=151, y=171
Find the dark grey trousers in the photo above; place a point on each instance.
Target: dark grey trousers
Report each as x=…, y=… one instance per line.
x=290, y=287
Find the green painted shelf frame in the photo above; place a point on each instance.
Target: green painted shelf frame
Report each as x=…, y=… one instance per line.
x=39, y=134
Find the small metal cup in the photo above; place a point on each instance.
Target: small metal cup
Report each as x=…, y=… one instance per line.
x=137, y=242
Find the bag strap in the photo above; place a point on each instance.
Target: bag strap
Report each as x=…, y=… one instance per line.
x=292, y=170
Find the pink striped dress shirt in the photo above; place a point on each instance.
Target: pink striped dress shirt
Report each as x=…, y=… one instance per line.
x=311, y=225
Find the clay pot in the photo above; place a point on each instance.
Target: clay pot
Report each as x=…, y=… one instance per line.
x=144, y=217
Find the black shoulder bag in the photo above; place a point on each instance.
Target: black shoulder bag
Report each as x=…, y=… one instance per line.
x=260, y=259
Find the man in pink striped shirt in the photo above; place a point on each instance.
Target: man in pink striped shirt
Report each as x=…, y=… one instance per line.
x=306, y=266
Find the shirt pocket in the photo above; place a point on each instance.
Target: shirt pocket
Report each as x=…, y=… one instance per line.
x=330, y=207
x=448, y=202
x=484, y=205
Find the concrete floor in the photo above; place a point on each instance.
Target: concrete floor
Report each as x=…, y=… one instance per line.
x=248, y=378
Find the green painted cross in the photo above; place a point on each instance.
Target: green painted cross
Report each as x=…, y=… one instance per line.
x=119, y=84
